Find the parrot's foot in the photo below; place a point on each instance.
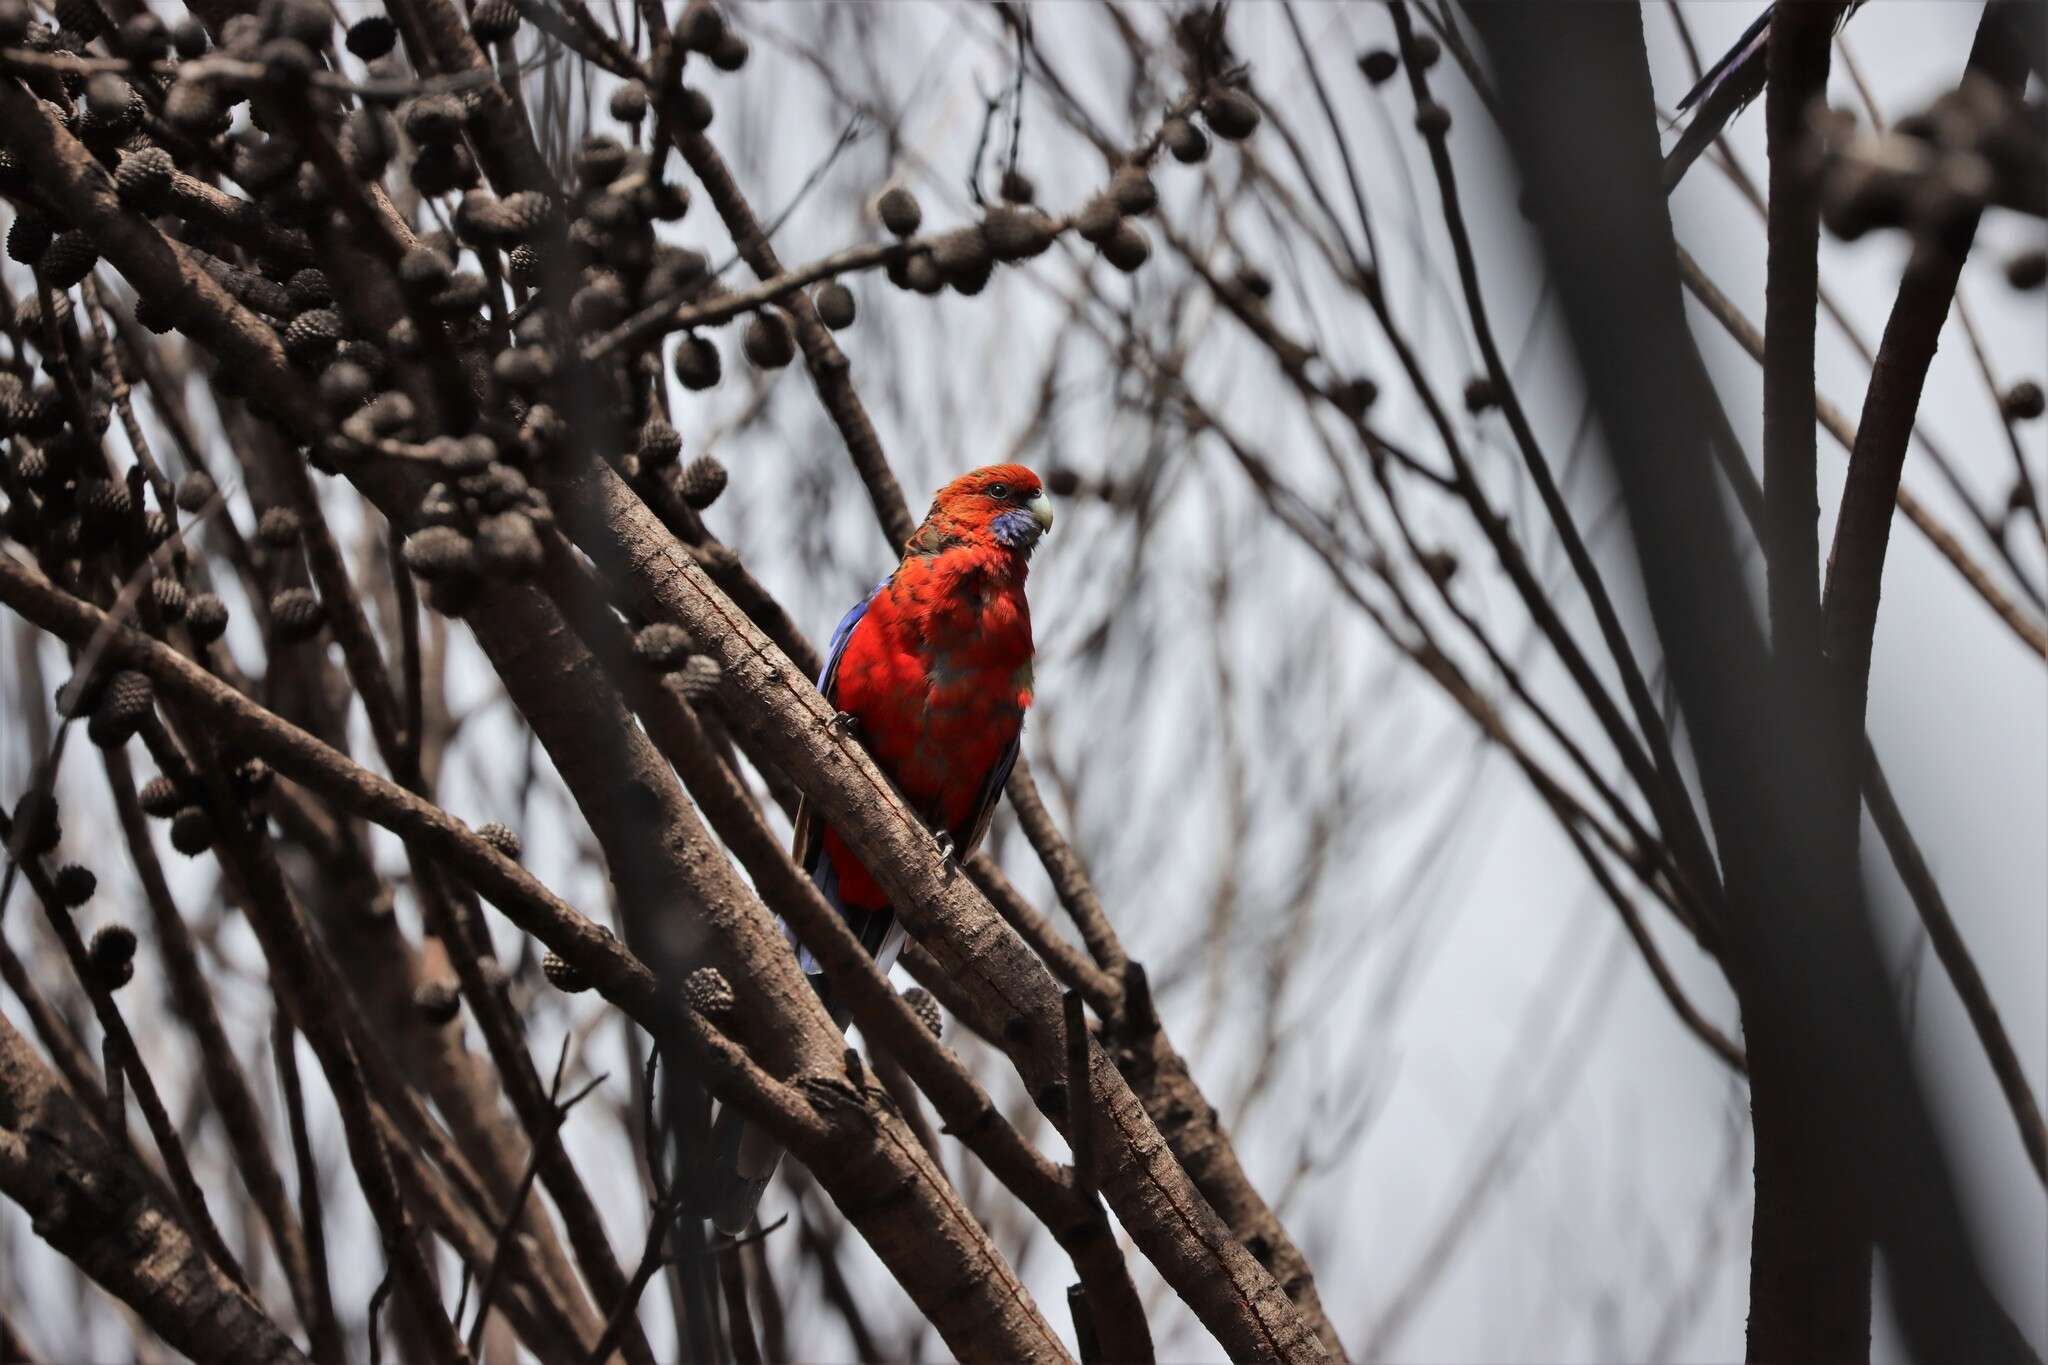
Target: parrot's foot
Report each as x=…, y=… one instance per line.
x=845, y=723
x=943, y=841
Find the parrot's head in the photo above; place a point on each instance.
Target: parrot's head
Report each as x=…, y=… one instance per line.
x=1000, y=503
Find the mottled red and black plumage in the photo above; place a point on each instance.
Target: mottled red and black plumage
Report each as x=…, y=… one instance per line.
x=934, y=669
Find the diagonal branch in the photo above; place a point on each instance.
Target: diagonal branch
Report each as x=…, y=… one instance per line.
x=1863, y=529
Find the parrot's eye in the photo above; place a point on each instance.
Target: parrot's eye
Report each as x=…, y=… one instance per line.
x=999, y=490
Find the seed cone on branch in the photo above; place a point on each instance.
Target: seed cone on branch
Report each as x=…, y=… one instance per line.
x=508, y=546
x=1185, y=141
x=502, y=838
x=561, y=975
x=599, y=161
x=112, y=953
x=659, y=444
x=144, y=177
x=433, y=120
x=702, y=481
x=443, y=169
x=702, y=27
x=696, y=364
x=768, y=342
x=1016, y=234
x=662, y=646
x=898, y=209
x=693, y=110
x=961, y=254
x=125, y=703
x=1127, y=248
x=494, y=21
x=1098, y=219
x=206, y=617
x=2027, y=270
x=1133, y=190
x=730, y=52
x=191, y=107
x=191, y=831
x=1016, y=187
x=161, y=798
x=926, y=1007
x=295, y=615
x=74, y=885
x=371, y=38
x=1231, y=115
x=709, y=993
x=35, y=824
x=28, y=237
x=69, y=258
x=2023, y=401
x=698, y=679
x=278, y=528
x=629, y=102
x=312, y=334
x=835, y=305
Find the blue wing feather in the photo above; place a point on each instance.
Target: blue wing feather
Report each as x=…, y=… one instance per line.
x=1748, y=48
x=991, y=792
x=844, y=632
x=809, y=847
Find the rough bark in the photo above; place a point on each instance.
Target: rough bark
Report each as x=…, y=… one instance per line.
x=88, y=1202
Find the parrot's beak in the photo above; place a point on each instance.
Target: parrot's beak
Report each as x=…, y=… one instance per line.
x=1041, y=511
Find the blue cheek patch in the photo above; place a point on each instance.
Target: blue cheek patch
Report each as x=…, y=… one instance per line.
x=1015, y=529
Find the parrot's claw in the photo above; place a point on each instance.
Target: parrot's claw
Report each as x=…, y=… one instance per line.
x=845, y=723
x=943, y=841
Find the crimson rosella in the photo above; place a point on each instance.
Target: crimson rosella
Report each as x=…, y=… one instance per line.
x=932, y=671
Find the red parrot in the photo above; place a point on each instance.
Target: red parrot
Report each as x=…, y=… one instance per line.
x=932, y=670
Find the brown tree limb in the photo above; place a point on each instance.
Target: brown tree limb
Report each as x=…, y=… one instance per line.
x=1954, y=955
x=89, y=1204
x=1863, y=528
x=1801, y=38
x=312, y=1217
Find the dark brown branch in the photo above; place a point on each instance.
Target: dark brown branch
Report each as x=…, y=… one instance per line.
x=1955, y=958
x=1800, y=41
x=1863, y=529
x=88, y=1202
